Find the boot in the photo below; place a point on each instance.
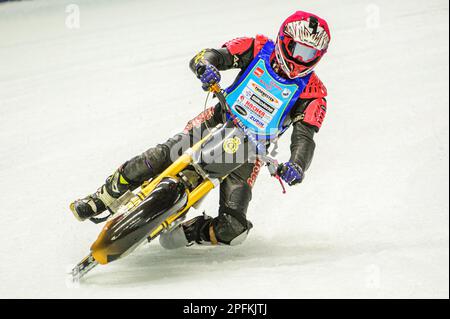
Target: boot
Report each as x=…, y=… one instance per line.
x=92, y=205
x=194, y=231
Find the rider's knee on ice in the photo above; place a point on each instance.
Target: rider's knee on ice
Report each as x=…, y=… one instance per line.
x=229, y=230
x=223, y=230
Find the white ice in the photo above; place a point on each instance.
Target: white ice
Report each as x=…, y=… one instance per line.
x=370, y=220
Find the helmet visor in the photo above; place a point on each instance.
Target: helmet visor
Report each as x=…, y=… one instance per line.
x=303, y=52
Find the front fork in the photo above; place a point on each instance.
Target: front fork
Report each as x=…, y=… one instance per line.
x=193, y=197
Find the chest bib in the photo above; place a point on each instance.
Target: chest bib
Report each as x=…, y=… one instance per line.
x=261, y=99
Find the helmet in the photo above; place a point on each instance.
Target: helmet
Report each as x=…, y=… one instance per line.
x=302, y=41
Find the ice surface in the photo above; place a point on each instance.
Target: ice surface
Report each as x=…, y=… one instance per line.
x=370, y=220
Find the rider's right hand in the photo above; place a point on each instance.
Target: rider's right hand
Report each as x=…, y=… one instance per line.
x=291, y=173
x=208, y=74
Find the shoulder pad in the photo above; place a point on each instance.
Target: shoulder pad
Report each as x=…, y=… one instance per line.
x=239, y=45
x=260, y=41
x=314, y=89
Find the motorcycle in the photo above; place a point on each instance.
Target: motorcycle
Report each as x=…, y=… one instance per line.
x=161, y=204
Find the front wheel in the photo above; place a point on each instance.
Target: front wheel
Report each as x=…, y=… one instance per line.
x=122, y=234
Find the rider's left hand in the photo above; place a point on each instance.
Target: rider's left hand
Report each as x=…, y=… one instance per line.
x=291, y=173
x=208, y=75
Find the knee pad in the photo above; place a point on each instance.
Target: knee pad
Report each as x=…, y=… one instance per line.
x=235, y=196
x=229, y=230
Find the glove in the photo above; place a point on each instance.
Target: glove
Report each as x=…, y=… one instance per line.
x=291, y=173
x=208, y=74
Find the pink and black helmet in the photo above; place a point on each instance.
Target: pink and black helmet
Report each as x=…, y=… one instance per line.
x=302, y=41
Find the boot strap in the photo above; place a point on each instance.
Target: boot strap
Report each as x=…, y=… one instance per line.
x=104, y=196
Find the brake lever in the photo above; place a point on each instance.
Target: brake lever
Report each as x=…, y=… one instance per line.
x=281, y=183
x=272, y=165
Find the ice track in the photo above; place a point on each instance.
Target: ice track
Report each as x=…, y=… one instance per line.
x=370, y=220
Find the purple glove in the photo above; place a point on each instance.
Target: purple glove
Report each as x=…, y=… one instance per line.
x=291, y=173
x=208, y=75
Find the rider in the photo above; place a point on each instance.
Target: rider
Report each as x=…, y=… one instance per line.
x=301, y=43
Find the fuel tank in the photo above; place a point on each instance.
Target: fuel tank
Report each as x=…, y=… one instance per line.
x=125, y=232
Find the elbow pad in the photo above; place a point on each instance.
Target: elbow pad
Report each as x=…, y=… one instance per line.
x=315, y=112
x=220, y=58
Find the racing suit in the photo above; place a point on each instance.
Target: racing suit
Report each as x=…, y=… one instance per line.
x=306, y=118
